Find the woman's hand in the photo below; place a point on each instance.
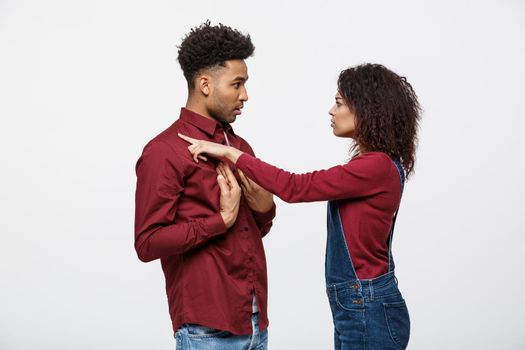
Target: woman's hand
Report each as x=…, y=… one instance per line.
x=198, y=147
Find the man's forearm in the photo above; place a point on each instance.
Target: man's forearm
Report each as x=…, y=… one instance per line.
x=158, y=242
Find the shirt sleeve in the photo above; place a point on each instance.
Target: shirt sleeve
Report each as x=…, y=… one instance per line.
x=159, y=187
x=361, y=177
x=264, y=220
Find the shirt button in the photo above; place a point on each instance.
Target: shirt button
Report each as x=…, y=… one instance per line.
x=355, y=286
x=246, y=229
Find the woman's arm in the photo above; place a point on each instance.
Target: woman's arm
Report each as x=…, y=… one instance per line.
x=363, y=176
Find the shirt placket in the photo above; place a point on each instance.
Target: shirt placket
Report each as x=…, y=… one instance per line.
x=222, y=137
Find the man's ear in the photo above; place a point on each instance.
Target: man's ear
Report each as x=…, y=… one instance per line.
x=204, y=84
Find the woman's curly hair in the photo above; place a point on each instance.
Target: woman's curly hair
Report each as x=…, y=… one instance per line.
x=387, y=111
x=207, y=46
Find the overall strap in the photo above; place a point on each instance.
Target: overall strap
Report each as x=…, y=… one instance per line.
x=338, y=261
x=402, y=178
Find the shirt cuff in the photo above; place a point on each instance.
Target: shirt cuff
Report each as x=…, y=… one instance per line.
x=243, y=159
x=264, y=218
x=214, y=225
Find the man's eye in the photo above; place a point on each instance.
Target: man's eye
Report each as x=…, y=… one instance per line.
x=237, y=85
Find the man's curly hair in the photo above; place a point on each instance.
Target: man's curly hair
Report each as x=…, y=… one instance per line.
x=207, y=46
x=387, y=111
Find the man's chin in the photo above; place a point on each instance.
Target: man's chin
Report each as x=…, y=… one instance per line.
x=225, y=119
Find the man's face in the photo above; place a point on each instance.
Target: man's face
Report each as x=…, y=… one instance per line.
x=228, y=91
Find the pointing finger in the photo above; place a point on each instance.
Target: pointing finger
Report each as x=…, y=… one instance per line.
x=187, y=138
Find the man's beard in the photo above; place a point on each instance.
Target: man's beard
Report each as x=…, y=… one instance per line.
x=221, y=113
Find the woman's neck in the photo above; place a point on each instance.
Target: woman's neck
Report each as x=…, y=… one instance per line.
x=359, y=150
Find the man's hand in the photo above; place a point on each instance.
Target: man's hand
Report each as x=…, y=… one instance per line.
x=230, y=196
x=258, y=198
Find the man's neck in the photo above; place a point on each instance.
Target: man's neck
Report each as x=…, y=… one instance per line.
x=197, y=107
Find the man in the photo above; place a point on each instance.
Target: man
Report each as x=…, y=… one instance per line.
x=207, y=235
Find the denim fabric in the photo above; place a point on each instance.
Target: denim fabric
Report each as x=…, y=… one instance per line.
x=367, y=314
x=195, y=337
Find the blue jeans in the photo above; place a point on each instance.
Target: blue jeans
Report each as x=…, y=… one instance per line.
x=195, y=337
x=369, y=314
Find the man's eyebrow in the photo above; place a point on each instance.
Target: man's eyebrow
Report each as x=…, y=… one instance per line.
x=241, y=78
x=338, y=98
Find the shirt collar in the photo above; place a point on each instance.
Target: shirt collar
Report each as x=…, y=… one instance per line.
x=205, y=124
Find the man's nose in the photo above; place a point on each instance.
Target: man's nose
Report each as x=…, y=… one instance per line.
x=244, y=95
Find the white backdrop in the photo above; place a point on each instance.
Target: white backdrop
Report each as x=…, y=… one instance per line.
x=85, y=84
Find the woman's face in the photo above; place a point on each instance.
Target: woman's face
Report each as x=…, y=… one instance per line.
x=343, y=118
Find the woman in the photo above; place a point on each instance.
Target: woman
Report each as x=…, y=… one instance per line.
x=379, y=110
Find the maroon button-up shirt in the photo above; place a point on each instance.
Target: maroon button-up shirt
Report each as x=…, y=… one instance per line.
x=211, y=273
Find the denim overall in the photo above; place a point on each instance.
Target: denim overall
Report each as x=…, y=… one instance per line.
x=368, y=314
